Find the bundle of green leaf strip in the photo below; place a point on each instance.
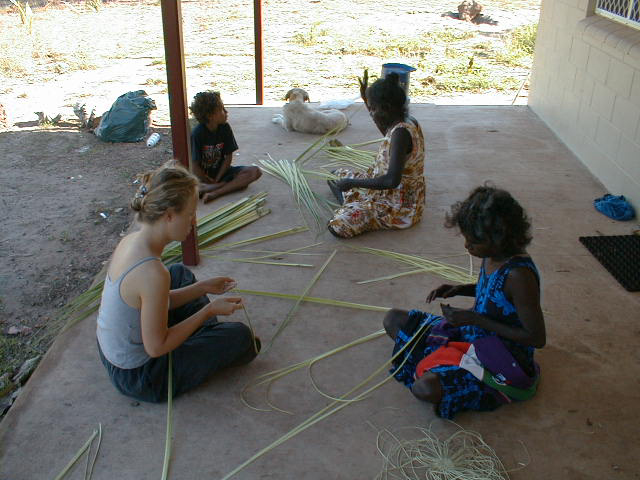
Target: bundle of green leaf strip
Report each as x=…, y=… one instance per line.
x=450, y=272
x=210, y=229
x=462, y=455
x=221, y=222
x=295, y=172
x=262, y=238
x=308, y=202
x=349, y=155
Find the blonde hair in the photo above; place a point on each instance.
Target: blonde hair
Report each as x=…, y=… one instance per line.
x=161, y=189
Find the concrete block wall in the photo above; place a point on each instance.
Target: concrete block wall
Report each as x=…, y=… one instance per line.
x=585, y=84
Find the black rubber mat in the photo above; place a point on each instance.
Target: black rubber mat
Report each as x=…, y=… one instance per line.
x=620, y=255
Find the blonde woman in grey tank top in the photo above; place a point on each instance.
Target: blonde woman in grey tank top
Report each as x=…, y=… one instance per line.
x=148, y=310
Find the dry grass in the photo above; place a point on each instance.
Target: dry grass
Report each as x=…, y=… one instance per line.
x=155, y=81
x=40, y=53
x=324, y=55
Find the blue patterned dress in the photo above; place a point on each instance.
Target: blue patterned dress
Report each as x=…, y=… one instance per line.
x=460, y=389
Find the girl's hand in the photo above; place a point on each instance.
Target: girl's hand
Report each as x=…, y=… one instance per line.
x=458, y=317
x=218, y=285
x=225, y=305
x=443, y=291
x=364, y=83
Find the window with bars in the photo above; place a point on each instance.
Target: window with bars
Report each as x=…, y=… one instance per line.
x=624, y=11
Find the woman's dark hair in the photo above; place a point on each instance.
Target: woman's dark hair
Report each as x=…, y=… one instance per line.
x=205, y=103
x=492, y=215
x=388, y=94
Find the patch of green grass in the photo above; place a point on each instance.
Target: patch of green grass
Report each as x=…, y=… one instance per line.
x=155, y=81
x=380, y=44
x=462, y=75
x=477, y=82
x=65, y=237
x=508, y=57
x=449, y=35
x=205, y=64
x=12, y=354
x=482, y=47
x=451, y=52
x=157, y=61
x=62, y=62
x=386, y=46
x=48, y=123
x=523, y=39
x=518, y=48
x=12, y=67
x=94, y=5
x=312, y=37
x=73, y=63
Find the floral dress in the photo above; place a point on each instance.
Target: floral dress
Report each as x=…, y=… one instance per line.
x=365, y=210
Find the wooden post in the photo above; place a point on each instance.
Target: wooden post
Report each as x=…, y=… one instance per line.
x=180, y=131
x=257, y=35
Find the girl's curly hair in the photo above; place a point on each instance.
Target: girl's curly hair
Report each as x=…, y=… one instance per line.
x=205, y=103
x=492, y=215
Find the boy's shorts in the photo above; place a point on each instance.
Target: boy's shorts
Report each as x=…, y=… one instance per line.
x=231, y=174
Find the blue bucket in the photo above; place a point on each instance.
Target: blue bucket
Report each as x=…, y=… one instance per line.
x=403, y=72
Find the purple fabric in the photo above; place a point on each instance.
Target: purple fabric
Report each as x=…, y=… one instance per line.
x=498, y=360
x=441, y=333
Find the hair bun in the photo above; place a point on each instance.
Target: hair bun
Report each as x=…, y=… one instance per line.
x=136, y=204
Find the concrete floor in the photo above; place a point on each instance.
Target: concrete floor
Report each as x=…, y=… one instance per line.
x=582, y=424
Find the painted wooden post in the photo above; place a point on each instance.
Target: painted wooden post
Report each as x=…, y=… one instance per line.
x=180, y=131
x=257, y=35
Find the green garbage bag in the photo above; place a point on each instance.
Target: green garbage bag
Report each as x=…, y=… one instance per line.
x=128, y=118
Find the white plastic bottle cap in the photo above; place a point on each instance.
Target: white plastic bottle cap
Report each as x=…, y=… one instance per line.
x=153, y=139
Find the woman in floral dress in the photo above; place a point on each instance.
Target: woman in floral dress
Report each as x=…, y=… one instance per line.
x=391, y=194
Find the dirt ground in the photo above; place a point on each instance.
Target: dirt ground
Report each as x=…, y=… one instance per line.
x=65, y=202
x=65, y=193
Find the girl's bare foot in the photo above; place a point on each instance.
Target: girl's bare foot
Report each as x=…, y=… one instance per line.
x=207, y=189
x=209, y=197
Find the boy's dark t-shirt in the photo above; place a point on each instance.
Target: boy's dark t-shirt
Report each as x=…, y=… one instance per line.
x=209, y=148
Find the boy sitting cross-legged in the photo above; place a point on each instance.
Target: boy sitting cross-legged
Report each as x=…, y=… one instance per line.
x=212, y=147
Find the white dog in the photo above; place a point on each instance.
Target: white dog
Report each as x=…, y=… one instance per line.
x=298, y=116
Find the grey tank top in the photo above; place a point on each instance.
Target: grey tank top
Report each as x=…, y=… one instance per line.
x=119, y=331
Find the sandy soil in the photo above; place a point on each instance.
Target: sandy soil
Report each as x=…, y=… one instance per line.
x=65, y=202
x=65, y=193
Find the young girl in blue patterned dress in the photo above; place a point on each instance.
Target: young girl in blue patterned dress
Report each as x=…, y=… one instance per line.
x=481, y=358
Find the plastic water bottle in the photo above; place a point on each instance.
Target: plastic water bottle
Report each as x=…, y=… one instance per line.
x=153, y=139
